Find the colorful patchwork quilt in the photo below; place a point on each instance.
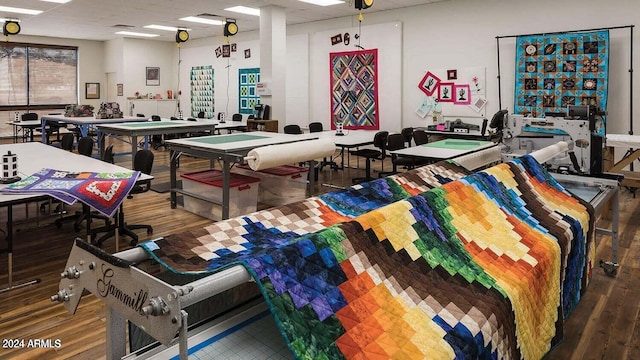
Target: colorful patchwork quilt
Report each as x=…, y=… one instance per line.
x=431, y=264
x=354, y=89
x=557, y=70
x=102, y=191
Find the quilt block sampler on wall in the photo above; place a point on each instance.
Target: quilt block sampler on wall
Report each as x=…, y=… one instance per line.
x=557, y=70
x=354, y=89
x=202, y=94
x=248, y=97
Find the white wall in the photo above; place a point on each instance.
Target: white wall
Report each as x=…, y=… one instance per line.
x=449, y=34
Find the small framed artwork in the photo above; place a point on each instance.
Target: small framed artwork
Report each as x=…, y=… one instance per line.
x=336, y=39
x=219, y=51
x=120, y=89
x=462, y=94
x=429, y=83
x=92, y=90
x=445, y=92
x=452, y=74
x=226, y=51
x=153, y=76
x=234, y=47
x=247, y=53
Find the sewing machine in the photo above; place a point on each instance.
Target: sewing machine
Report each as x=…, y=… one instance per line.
x=521, y=135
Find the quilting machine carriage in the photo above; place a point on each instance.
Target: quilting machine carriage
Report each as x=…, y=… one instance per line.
x=521, y=135
x=131, y=293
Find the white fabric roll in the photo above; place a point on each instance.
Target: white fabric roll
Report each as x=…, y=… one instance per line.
x=545, y=154
x=480, y=158
x=275, y=155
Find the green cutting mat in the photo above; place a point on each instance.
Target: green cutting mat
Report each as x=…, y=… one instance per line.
x=153, y=124
x=227, y=139
x=457, y=144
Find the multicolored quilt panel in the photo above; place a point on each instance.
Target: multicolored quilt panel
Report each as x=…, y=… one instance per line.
x=102, y=191
x=354, y=89
x=479, y=267
x=202, y=92
x=557, y=70
x=248, y=97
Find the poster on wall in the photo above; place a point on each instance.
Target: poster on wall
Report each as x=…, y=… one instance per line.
x=453, y=92
x=354, y=89
x=202, y=93
x=558, y=70
x=248, y=97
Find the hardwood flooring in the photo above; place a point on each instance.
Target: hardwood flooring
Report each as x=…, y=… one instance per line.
x=604, y=326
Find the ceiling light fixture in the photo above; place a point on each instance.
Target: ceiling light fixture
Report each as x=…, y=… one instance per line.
x=202, y=20
x=244, y=10
x=323, y=2
x=131, y=33
x=19, y=10
x=167, y=28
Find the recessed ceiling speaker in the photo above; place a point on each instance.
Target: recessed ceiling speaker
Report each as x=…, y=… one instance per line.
x=182, y=36
x=11, y=27
x=363, y=4
x=230, y=27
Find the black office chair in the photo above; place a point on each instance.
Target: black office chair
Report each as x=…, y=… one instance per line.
x=28, y=131
x=407, y=134
x=66, y=143
x=380, y=142
x=143, y=162
x=420, y=137
x=108, y=155
x=397, y=142
x=315, y=127
x=201, y=115
x=85, y=146
x=156, y=140
x=292, y=129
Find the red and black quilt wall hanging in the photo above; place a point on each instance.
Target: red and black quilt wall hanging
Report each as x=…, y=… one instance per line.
x=354, y=89
x=557, y=70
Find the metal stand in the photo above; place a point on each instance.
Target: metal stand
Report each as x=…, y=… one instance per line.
x=9, y=251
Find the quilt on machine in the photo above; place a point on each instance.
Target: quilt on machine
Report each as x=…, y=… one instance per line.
x=102, y=191
x=197, y=251
x=486, y=266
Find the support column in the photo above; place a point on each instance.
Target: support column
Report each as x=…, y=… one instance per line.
x=273, y=53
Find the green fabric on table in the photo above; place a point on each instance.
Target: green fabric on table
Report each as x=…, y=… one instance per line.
x=227, y=139
x=457, y=144
x=154, y=124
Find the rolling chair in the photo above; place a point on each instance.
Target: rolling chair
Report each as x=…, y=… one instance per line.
x=407, y=134
x=108, y=155
x=292, y=129
x=201, y=115
x=156, y=140
x=315, y=127
x=85, y=146
x=420, y=137
x=27, y=131
x=397, y=142
x=66, y=143
x=380, y=142
x=143, y=162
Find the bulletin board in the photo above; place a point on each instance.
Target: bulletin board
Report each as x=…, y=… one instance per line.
x=454, y=91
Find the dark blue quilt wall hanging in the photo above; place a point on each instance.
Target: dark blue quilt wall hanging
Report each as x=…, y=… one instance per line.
x=557, y=70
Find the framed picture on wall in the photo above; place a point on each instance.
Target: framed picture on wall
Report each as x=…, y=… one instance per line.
x=153, y=76
x=120, y=89
x=462, y=94
x=429, y=83
x=92, y=90
x=445, y=92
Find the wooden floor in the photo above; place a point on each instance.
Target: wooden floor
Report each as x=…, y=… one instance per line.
x=605, y=325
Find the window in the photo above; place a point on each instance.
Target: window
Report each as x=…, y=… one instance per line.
x=38, y=75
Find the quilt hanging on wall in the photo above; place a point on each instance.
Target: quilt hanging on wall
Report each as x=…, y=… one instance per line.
x=554, y=71
x=354, y=89
x=202, y=94
x=248, y=97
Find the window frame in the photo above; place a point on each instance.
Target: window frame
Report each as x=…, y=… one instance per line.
x=41, y=106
